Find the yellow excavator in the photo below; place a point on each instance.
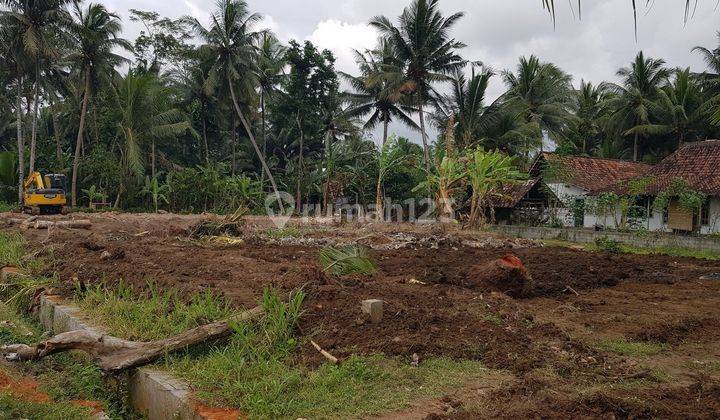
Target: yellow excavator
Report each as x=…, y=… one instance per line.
x=44, y=194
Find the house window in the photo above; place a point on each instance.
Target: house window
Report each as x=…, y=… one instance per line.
x=705, y=213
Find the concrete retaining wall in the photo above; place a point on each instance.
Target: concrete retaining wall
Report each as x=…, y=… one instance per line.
x=644, y=240
x=153, y=393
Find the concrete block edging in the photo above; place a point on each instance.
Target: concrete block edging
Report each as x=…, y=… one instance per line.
x=157, y=394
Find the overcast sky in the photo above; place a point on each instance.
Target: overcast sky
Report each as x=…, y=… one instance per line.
x=496, y=32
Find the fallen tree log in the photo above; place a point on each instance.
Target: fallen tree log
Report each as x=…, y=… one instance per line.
x=114, y=354
x=67, y=224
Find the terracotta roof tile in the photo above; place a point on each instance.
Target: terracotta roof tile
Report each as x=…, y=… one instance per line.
x=594, y=174
x=512, y=193
x=696, y=163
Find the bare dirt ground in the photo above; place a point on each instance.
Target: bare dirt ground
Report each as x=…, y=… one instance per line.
x=549, y=341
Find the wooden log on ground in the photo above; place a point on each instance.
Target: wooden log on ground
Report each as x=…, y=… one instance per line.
x=66, y=224
x=114, y=354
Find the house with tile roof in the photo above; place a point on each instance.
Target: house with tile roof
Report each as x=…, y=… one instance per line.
x=697, y=164
x=574, y=179
x=526, y=202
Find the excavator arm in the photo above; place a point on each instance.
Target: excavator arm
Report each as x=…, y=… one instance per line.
x=35, y=180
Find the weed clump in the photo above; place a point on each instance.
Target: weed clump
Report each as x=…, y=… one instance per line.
x=608, y=245
x=346, y=260
x=230, y=225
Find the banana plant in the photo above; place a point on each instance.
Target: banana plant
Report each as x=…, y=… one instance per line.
x=487, y=173
x=155, y=190
x=445, y=181
x=95, y=195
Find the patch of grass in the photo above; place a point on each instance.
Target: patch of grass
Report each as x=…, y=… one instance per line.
x=608, y=245
x=494, y=319
x=629, y=249
x=13, y=254
x=64, y=377
x=12, y=407
x=7, y=207
x=18, y=290
x=153, y=315
x=712, y=366
x=673, y=252
x=286, y=232
x=256, y=373
x=346, y=260
x=632, y=348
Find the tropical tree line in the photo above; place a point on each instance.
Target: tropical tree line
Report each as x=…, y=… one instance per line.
x=209, y=116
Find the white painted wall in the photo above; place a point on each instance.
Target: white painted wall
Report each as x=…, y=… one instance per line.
x=567, y=193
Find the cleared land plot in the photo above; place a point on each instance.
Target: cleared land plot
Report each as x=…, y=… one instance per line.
x=594, y=333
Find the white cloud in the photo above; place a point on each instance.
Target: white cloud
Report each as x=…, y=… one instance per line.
x=342, y=38
x=195, y=11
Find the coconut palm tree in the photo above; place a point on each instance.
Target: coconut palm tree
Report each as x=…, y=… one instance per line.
x=270, y=65
x=678, y=110
x=14, y=63
x=471, y=116
x=191, y=83
x=95, y=32
x=634, y=98
x=592, y=112
x=711, y=78
x=144, y=116
x=369, y=96
x=540, y=95
x=549, y=5
x=34, y=26
x=426, y=53
x=231, y=41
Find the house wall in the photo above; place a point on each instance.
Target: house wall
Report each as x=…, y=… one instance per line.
x=567, y=193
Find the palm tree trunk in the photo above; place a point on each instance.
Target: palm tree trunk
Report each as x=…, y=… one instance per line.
x=635, y=148
x=262, y=114
x=379, y=200
x=78, y=142
x=385, y=131
x=152, y=159
x=233, y=141
x=33, y=139
x=426, y=152
x=96, y=130
x=301, y=164
x=21, y=143
x=205, y=140
x=56, y=129
x=328, y=172
x=255, y=146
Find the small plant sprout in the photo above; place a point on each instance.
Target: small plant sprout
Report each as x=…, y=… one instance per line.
x=345, y=260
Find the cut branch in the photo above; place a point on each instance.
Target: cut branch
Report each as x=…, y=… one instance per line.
x=114, y=354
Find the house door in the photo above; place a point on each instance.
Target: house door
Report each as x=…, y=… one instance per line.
x=678, y=219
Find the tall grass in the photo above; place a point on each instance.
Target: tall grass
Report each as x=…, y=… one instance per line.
x=18, y=290
x=153, y=314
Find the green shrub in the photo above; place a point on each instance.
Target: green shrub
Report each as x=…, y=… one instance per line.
x=608, y=245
